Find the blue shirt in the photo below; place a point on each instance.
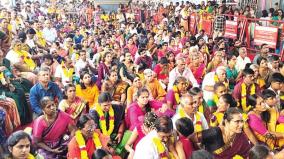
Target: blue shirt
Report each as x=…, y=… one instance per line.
x=37, y=92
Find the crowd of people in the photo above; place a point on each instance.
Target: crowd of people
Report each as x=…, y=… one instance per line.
x=78, y=82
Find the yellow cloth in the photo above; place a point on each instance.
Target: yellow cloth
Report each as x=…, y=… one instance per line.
x=90, y=94
x=156, y=90
x=40, y=38
x=27, y=59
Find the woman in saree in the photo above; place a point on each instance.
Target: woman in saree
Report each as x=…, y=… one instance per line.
x=197, y=67
x=263, y=71
x=116, y=87
x=126, y=69
x=131, y=46
x=231, y=71
x=87, y=90
x=104, y=68
x=22, y=60
x=173, y=95
x=72, y=104
x=138, y=109
x=258, y=119
x=50, y=130
x=227, y=140
x=215, y=62
x=87, y=139
x=132, y=90
x=16, y=88
x=139, y=132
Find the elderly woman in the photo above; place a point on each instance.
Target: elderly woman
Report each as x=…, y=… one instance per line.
x=50, y=130
x=22, y=60
x=154, y=86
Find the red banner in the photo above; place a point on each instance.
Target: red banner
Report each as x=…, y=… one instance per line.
x=231, y=29
x=192, y=24
x=266, y=35
x=207, y=26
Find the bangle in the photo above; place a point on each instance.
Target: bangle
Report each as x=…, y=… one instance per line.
x=120, y=133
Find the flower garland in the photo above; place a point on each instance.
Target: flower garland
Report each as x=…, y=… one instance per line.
x=215, y=99
x=30, y=156
x=103, y=120
x=216, y=79
x=67, y=72
x=27, y=60
x=82, y=145
x=198, y=124
x=161, y=148
x=244, y=96
x=177, y=98
x=201, y=109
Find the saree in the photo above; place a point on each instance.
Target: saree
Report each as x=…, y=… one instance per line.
x=119, y=89
x=90, y=94
x=12, y=118
x=75, y=109
x=51, y=135
x=213, y=140
x=198, y=73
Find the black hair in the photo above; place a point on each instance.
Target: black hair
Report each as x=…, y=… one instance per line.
x=194, y=91
x=259, y=152
x=273, y=58
x=104, y=97
x=164, y=60
x=139, y=93
x=228, y=115
x=83, y=120
x=100, y=154
x=264, y=13
x=276, y=77
x=268, y=93
x=258, y=61
x=230, y=56
x=228, y=98
x=149, y=119
x=219, y=84
x=184, y=126
x=15, y=137
x=66, y=88
x=82, y=74
x=164, y=124
x=201, y=154
x=247, y=71
x=252, y=101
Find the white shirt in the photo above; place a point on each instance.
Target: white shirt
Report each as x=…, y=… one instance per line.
x=241, y=63
x=60, y=74
x=146, y=149
x=208, y=81
x=202, y=118
x=49, y=34
x=186, y=73
x=80, y=64
x=13, y=57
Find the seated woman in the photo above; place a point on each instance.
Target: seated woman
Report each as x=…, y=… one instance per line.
x=225, y=101
x=258, y=120
x=104, y=68
x=197, y=67
x=87, y=90
x=116, y=87
x=86, y=140
x=139, y=132
x=184, y=146
x=19, y=145
x=137, y=110
x=22, y=60
x=132, y=90
x=126, y=69
x=50, y=130
x=173, y=95
x=228, y=140
x=72, y=104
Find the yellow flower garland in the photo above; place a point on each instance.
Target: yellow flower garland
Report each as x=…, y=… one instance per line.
x=201, y=109
x=215, y=99
x=67, y=72
x=216, y=79
x=103, y=120
x=244, y=96
x=198, y=124
x=31, y=156
x=1, y=75
x=27, y=60
x=177, y=98
x=161, y=148
x=82, y=144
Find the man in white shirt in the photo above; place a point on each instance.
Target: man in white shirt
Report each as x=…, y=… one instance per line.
x=147, y=147
x=181, y=70
x=210, y=79
x=242, y=59
x=188, y=108
x=49, y=33
x=83, y=63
